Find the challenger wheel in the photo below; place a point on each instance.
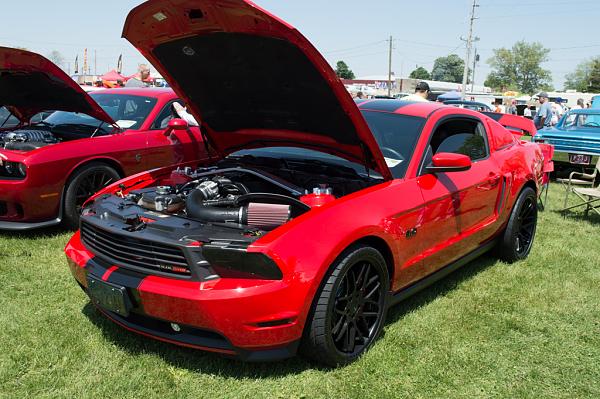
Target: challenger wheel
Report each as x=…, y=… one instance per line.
x=82, y=185
x=517, y=240
x=349, y=311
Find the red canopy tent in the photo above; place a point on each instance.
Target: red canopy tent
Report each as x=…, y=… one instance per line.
x=113, y=76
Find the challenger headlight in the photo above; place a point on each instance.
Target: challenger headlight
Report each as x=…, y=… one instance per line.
x=13, y=170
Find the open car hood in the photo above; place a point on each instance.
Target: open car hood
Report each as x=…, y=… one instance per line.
x=29, y=84
x=251, y=79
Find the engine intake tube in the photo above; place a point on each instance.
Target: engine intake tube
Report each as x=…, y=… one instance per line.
x=261, y=215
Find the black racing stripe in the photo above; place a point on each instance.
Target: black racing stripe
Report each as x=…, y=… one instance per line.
x=494, y=115
x=126, y=278
x=97, y=267
x=384, y=105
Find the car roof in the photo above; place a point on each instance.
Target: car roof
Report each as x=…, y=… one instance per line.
x=586, y=111
x=412, y=108
x=139, y=91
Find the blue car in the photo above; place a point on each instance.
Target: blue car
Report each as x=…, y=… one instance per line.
x=576, y=139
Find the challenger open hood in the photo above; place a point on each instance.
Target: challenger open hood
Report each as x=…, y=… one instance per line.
x=29, y=83
x=252, y=79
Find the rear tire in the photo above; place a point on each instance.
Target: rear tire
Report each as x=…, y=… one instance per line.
x=82, y=185
x=349, y=310
x=517, y=240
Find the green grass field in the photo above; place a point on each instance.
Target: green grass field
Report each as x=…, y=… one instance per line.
x=530, y=330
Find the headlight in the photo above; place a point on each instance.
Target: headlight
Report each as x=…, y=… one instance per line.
x=14, y=170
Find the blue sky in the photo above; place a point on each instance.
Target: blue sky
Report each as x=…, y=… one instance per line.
x=352, y=30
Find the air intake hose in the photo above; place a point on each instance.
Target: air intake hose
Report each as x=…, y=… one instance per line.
x=261, y=215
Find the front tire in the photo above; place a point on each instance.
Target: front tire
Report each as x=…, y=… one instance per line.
x=517, y=240
x=349, y=311
x=82, y=185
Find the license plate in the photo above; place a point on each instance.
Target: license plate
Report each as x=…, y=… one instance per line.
x=580, y=159
x=109, y=296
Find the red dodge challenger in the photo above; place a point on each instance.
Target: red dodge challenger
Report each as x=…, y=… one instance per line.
x=315, y=214
x=50, y=167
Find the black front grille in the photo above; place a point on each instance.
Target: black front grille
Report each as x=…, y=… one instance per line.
x=127, y=251
x=3, y=208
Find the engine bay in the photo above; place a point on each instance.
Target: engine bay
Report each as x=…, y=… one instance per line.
x=27, y=139
x=233, y=195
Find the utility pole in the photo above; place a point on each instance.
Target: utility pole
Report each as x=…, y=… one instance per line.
x=390, y=68
x=469, y=45
x=475, y=60
x=95, y=62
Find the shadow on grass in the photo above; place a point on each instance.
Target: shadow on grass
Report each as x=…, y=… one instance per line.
x=45, y=232
x=592, y=218
x=209, y=363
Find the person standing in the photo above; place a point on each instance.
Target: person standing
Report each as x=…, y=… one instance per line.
x=579, y=105
x=421, y=93
x=140, y=78
x=527, y=111
x=512, y=109
x=543, y=117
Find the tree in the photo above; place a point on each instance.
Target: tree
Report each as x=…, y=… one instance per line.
x=519, y=68
x=448, y=69
x=56, y=57
x=420, y=73
x=343, y=71
x=594, y=86
x=581, y=78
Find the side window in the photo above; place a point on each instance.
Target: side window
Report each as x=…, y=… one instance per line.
x=7, y=120
x=458, y=136
x=162, y=120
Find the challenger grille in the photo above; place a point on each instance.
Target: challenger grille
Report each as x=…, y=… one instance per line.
x=127, y=251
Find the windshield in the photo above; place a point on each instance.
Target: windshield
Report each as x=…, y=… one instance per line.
x=297, y=153
x=128, y=111
x=7, y=119
x=396, y=136
x=574, y=120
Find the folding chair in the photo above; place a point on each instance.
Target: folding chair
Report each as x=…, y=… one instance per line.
x=586, y=180
x=548, y=151
x=592, y=202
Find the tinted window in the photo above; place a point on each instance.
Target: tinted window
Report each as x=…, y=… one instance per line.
x=129, y=111
x=466, y=144
x=396, y=136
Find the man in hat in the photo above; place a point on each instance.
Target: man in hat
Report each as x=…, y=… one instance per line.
x=421, y=93
x=543, y=117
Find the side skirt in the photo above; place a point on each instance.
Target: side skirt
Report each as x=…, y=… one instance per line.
x=412, y=289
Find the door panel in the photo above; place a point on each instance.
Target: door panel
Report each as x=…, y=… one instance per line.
x=174, y=148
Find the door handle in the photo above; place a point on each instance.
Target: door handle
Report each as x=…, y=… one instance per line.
x=493, y=179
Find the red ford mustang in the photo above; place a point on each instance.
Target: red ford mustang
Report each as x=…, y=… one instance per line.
x=49, y=168
x=316, y=213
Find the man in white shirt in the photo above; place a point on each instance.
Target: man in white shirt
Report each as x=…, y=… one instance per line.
x=579, y=104
x=421, y=93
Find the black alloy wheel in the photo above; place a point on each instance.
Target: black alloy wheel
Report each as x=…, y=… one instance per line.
x=517, y=240
x=84, y=183
x=527, y=221
x=357, y=308
x=349, y=310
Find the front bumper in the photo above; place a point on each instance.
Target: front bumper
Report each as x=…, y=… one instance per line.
x=254, y=320
x=23, y=207
x=563, y=158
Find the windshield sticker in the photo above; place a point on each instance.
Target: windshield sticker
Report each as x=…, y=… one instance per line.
x=125, y=124
x=392, y=163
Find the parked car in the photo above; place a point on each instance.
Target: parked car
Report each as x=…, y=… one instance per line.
x=49, y=167
x=576, y=139
x=474, y=105
x=317, y=212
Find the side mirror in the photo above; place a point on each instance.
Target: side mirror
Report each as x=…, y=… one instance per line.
x=176, y=124
x=449, y=162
